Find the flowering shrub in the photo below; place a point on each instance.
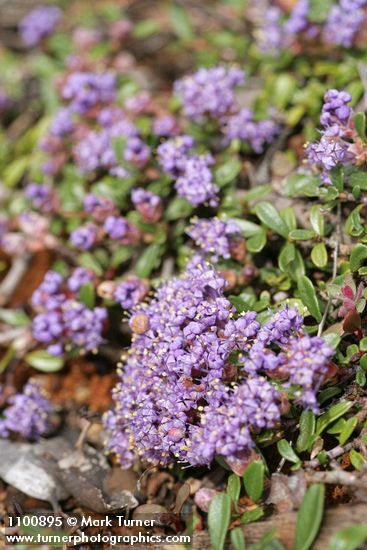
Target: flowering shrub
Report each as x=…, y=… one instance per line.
x=204, y=221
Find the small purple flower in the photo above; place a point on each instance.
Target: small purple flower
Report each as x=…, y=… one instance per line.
x=28, y=413
x=214, y=236
x=47, y=327
x=85, y=236
x=173, y=153
x=41, y=196
x=130, y=292
x=38, y=24
x=79, y=277
x=139, y=103
x=62, y=123
x=50, y=286
x=166, y=126
x=148, y=204
x=116, y=227
x=99, y=207
x=209, y=92
x=195, y=184
x=136, y=152
x=85, y=90
x=270, y=36
x=257, y=133
x=298, y=20
x=343, y=22
x=306, y=363
x=335, y=110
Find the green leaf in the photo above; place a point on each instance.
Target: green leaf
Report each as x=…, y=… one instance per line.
x=253, y=480
x=234, y=487
x=335, y=412
x=299, y=185
x=308, y=296
x=286, y=451
x=363, y=344
x=307, y=424
x=238, y=539
x=257, y=192
x=309, y=517
x=357, y=459
x=348, y=429
x=349, y=538
x=121, y=255
x=180, y=22
x=145, y=28
x=257, y=242
x=317, y=220
x=286, y=256
x=227, y=172
x=178, y=208
x=357, y=257
x=337, y=178
x=302, y=234
x=283, y=89
x=360, y=125
x=270, y=217
x=44, y=361
x=149, y=260
x=87, y=295
x=358, y=178
x=288, y=215
x=87, y=260
x=319, y=255
x=218, y=520
x=14, y=317
x=318, y=11
x=248, y=229
x=252, y=515
x=361, y=377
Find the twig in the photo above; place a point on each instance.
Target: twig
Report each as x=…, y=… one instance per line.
x=333, y=453
x=335, y=267
x=336, y=477
x=13, y=277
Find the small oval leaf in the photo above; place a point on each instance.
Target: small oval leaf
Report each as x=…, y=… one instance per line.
x=309, y=517
x=218, y=519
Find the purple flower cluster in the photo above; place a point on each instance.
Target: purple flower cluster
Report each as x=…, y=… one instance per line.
x=194, y=180
x=148, y=204
x=314, y=355
x=62, y=123
x=226, y=429
x=181, y=396
x=344, y=21
x=86, y=90
x=298, y=20
x=173, y=153
x=64, y=322
x=95, y=150
x=270, y=35
x=41, y=196
x=257, y=133
x=85, y=236
x=209, y=92
x=106, y=222
x=28, y=413
x=166, y=126
x=332, y=148
x=214, y=236
x=38, y=24
x=130, y=292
